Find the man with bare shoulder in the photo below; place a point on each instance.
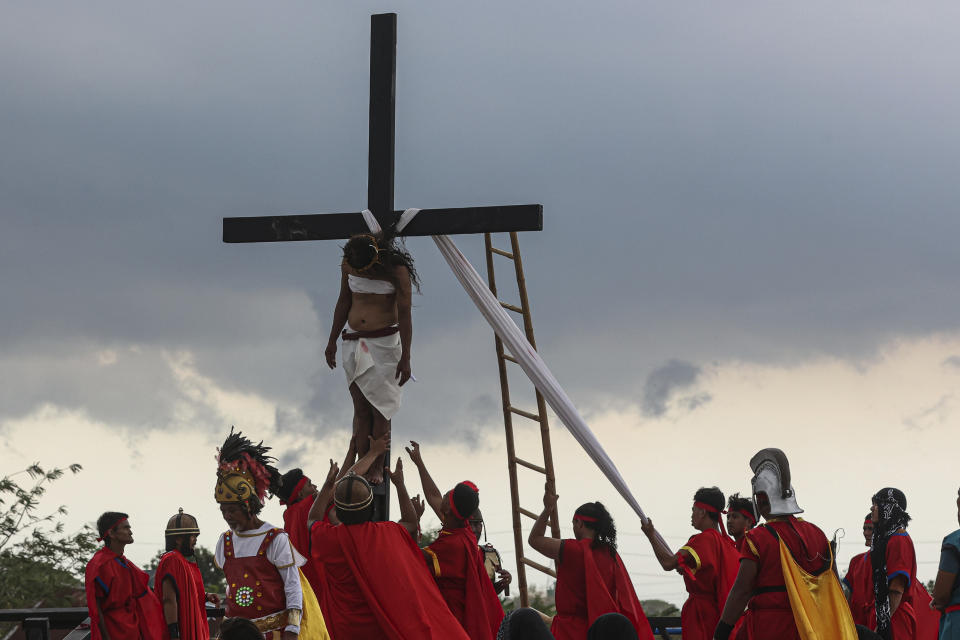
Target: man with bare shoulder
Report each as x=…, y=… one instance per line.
x=373, y=317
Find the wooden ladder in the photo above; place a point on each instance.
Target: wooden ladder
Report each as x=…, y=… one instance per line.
x=509, y=410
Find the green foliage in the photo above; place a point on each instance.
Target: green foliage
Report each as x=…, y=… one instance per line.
x=660, y=608
x=541, y=600
x=427, y=536
x=39, y=563
x=213, y=579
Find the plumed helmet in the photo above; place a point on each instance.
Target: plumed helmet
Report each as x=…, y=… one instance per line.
x=245, y=473
x=771, y=476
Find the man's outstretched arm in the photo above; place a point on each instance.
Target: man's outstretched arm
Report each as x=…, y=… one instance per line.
x=430, y=491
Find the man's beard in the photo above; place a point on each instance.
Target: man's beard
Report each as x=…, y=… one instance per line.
x=184, y=548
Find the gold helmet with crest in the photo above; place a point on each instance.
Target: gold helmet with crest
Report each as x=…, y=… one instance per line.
x=245, y=473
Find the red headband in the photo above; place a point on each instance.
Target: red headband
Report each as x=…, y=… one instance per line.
x=709, y=508
x=296, y=490
x=578, y=516
x=110, y=530
x=748, y=514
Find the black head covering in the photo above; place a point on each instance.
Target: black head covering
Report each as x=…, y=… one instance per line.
x=891, y=508
x=612, y=626
x=523, y=624
x=465, y=498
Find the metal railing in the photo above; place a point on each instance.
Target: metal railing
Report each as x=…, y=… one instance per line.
x=37, y=623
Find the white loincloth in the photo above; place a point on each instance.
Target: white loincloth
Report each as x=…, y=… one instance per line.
x=372, y=364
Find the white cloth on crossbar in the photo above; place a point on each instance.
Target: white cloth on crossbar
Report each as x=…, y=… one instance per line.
x=525, y=355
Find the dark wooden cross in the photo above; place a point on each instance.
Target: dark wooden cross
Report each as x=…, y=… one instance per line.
x=429, y=222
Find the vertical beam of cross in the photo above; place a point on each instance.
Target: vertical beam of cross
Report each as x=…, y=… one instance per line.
x=380, y=160
x=383, y=91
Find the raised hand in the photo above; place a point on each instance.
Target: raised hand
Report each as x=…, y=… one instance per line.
x=397, y=475
x=414, y=452
x=380, y=445
x=549, y=499
x=419, y=505
x=332, y=473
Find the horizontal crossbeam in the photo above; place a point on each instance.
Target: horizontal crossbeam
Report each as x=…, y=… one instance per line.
x=429, y=222
x=539, y=567
x=530, y=465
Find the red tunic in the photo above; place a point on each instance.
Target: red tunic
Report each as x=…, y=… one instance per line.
x=295, y=524
x=464, y=584
x=714, y=564
x=256, y=588
x=902, y=561
x=130, y=609
x=191, y=596
x=859, y=580
x=379, y=586
x=769, y=614
x=590, y=583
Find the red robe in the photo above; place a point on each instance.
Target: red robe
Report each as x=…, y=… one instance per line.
x=859, y=580
x=714, y=564
x=464, y=584
x=590, y=583
x=769, y=614
x=295, y=524
x=191, y=596
x=130, y=609
x=901, y=560
x=379, y=586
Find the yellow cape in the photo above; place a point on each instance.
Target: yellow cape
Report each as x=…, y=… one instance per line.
x=312, y=625
x=819, y=607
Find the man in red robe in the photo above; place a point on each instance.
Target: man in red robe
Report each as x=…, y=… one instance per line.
x=298, y=494
x=120, y=602
x=708, y=563
x=375, y=578
x=760, y=584
x=859, y=579
x=591, y=578
x=178, y=582
x=455, y=558
x=740, y=519
x=904, y=610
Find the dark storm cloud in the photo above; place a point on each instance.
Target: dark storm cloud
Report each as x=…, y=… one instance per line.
x=665, y=382
x=757, y=183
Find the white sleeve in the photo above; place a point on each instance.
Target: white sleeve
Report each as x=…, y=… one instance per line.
x=288, y=562
x=218, y=556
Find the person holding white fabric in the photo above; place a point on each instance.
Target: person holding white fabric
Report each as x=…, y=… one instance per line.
x=373, y=316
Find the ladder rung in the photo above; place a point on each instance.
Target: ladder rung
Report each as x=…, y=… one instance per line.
x=509, y=357
x=529, y=514
x=501, y=252
x=511, y=307
x=530, y=465
x=525, y=414
x=539, y=567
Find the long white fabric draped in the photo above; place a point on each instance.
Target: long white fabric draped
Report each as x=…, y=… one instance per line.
x=526, y=356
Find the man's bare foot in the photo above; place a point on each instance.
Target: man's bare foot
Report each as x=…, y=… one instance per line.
x=375, y=474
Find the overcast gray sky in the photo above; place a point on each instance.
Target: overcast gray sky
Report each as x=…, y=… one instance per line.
x=724, y=186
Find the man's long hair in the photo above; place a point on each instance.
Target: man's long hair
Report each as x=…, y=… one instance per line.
x=383, y=255
x=604, y=529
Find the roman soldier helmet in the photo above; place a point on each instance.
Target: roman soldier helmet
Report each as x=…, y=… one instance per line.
x=245, y=473
x=771, y=476
x=182, y=524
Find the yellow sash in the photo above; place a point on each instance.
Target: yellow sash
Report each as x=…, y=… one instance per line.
x=312, y=625
x=819, y=607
